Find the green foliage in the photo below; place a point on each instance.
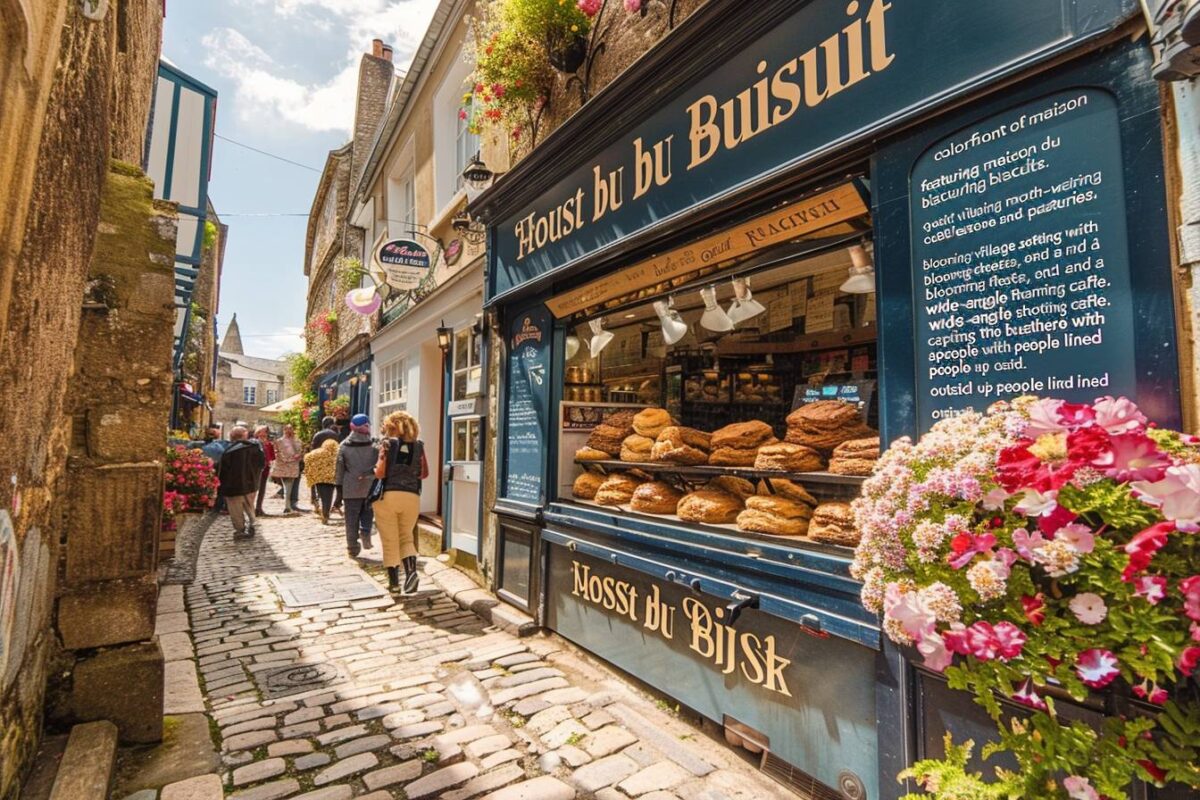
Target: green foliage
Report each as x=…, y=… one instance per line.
x=348, y=272
x=948, y=779
x=210, y=235
x=300, y=368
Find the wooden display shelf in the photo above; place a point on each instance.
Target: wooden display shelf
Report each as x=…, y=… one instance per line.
x=710, y=471
x=804, y=343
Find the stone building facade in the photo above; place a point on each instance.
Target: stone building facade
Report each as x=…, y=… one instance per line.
x=245, y=384
x=76, y=92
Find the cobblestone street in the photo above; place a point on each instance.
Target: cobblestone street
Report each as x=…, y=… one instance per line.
x=323, y=698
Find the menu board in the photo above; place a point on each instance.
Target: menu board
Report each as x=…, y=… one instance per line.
x=528, y=400
x=858, y=392
x=1021, y=260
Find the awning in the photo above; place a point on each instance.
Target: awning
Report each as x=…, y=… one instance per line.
x=286, y=404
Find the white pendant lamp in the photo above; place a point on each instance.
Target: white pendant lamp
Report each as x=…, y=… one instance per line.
x=673, y=326
x=744, y=306
x=572, y=346
x=714, y=317
x=600, y=337
x=862, y=272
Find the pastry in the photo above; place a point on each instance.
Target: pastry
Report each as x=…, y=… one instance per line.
x=709, y=506
x=621, y=419
x=616, y=490
x=825, y=424
x=606, y=438
x=855, y=457
x=742, y=435
x=733, y=456
x=776, y=515
x=789, y=489
x=679, y=435
x=736, y=486
x=824, y=413
x=787, y=457
x=672, y=453
x=651, y=421
x=591, y=454
x=655, y=497
x=636, y=448
x=833, y=523
x=586, y=484
x=860, y=467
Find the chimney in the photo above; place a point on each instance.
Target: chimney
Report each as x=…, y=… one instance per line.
x=375, y=73
x=387, y=52
x=377, y=48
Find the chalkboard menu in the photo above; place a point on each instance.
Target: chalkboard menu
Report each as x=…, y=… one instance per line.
x=1020, y=259
x=528, y=404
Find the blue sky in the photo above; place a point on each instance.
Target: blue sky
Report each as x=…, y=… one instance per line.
x=285, y=71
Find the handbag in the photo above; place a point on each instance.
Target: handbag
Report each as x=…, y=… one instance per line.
x=377, y=485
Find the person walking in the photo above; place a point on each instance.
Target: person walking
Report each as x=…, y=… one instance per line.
x=356, y=459
x=286, y=468
x=320, y=466
x=214, y=447
x=401, y=466
x=329, y=430
x=263, y=434
x=241, y=465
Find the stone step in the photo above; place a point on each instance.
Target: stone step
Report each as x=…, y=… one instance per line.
x=87, y=764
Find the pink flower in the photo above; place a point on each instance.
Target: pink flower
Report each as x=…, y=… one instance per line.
x=1034, y=503
x=1149, y=690
x=1097, y=667
x=1078, y=536
x=1035, y=608
x=1044, y=418
x=1151, y=587
x=1025, y=543
x=1134, y=457
x=1080, y=788
x=1177, y=494
x=1190, y=589
x=462, y=113
x=994, y=499
x=1118, y=416
x=1089, y=608
x=1001, y=641
x=1026, y=696
x=1050, y=523
x=937, y=655
x=633, y=6
x=590, y=7
x=1143, y=546
x=910, y=610
x=1188, y=660
x=966, y=546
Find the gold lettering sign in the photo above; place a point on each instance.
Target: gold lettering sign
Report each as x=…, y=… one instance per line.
x=725, y=648
x=799, y=219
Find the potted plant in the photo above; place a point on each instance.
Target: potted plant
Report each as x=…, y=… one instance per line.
x=1047, y=549
x=338, y=407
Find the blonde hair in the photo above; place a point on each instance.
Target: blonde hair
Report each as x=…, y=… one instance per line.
x=402, y=425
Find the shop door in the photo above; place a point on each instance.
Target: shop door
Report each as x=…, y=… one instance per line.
x=465, y=434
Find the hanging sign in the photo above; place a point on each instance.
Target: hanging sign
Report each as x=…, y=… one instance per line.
x=404, y=263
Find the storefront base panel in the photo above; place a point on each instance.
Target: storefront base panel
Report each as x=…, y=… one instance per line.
x=809, y=699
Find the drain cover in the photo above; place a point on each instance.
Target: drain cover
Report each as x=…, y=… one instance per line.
x=299, y=589
x=299, y=678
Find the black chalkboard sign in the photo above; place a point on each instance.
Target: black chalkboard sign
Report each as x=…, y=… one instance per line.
x=527, y=406
x=1021, y=260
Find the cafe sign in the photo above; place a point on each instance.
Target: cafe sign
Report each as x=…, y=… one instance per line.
x=826, y=75
x=405, y=263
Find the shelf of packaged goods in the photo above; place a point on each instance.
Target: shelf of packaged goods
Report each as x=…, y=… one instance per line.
x=708, y=471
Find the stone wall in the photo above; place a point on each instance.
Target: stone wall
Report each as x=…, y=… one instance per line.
x=52, y=172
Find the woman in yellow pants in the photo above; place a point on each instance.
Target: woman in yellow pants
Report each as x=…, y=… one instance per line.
x=401, y=467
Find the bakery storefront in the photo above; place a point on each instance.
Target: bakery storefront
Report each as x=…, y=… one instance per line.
x=717, y=291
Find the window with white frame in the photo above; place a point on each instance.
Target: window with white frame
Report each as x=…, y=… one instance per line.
x=468, y=372
x=448, y=127
x=408, y=204
x=393, y=389
x=466, y=147
x=249, y=393
x=272, y=396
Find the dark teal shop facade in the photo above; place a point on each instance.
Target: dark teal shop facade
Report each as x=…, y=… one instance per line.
x=772, y=638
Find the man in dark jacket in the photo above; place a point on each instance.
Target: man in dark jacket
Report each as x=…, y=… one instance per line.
x=239, y=471
x=356, y=459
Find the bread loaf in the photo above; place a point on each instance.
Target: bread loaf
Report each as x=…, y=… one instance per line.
x=655, y=497
x=742, y=435
x=586, y=485
x=616, y=490
x=833, y=523
x=787, y=457
x=650, y=421
x=709, y=506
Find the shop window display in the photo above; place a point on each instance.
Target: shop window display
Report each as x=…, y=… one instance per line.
x=741, y=401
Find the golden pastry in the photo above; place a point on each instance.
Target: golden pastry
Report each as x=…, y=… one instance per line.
x=739, y=487
x=709, y=506
x=636, y=448
x=672, y=453
x=586, y=485
x=788, y=489
x=733, y=457
x=742, y=435
x=651, y=421
x=787, y=457
x=591, y=454
x=833, y=523
x=776, y=515
x=616, y=490
x=655, y=497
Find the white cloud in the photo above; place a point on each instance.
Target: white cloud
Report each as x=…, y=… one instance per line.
x=267, y=91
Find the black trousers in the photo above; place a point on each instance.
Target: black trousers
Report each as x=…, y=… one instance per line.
x=325, y=492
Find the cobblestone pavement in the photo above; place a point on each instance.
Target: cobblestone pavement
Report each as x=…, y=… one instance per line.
x=382, y=697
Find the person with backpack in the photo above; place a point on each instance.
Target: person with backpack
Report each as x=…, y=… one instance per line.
x=357, y=455
x=401, y=467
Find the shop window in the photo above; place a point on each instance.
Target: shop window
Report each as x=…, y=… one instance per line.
x=468, y=371
x=735, y=346
x=249, y=394
x=393, y=395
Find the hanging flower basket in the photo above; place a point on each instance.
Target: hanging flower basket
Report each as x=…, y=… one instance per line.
x=568, y=57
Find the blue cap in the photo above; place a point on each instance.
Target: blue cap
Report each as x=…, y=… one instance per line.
x=360, y=419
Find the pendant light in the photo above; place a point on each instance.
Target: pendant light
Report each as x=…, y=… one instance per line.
x=744, y=306
x=862, y=272
x=572, y=345
x=600, y=337
x=673, y=326
x=714, y=317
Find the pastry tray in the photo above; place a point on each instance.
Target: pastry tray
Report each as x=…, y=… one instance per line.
x=711, y=471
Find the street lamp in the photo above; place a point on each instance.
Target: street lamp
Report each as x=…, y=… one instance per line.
x=477, y=175
x=444, y=336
